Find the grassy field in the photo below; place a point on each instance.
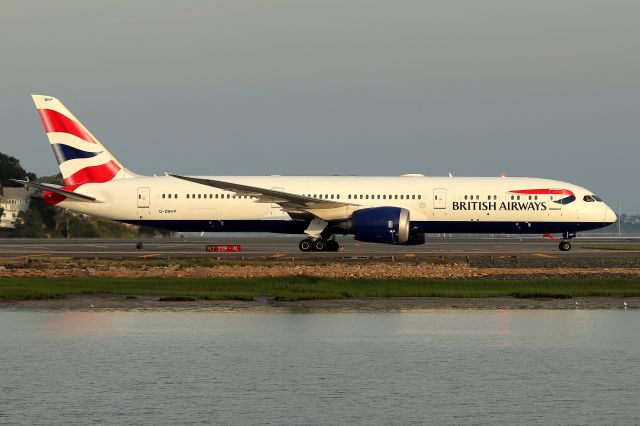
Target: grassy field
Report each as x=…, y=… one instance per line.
x=311, y=288
x=618, y=248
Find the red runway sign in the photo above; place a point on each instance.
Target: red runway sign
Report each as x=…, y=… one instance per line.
x=232, y=248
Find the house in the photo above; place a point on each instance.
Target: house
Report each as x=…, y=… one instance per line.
x=13, y=201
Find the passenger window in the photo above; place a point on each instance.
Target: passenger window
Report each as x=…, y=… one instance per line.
x=187, y=196
x=419, y=197
x=349, y=196
x=402, y=197
x=413, y=197
x=163, y=195
x=465, y=197
x=338, y=196
x=175, y=196
x=378, y=196
x=367, y=196
x=384, y=196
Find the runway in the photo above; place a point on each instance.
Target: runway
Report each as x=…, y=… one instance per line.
x=286, y=248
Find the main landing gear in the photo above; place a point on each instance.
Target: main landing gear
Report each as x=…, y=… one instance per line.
x=318, y=244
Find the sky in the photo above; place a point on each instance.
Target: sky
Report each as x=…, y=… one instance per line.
x=545, y=88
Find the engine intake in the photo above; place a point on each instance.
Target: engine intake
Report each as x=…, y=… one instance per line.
x=388, y=225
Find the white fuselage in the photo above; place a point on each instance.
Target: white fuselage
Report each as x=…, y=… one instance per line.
x=436, y=204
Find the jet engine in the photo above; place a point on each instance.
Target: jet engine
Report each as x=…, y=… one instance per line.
x=389, y=225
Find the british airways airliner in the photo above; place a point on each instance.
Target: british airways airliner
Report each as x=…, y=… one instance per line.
x=387, y=210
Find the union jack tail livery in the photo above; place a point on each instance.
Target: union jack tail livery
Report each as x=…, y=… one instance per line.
x=81, y=157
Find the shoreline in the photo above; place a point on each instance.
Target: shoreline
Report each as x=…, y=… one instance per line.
x=109, y=302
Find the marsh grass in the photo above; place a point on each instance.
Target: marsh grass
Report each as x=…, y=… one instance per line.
x=294, y=288
x=616, y=248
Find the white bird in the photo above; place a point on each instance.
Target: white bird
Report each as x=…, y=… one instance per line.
x=91, y=306
x=625, y=305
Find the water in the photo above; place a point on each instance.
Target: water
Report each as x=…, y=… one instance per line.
x=438, y=367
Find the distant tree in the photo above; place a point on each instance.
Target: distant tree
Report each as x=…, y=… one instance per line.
x=78, y=227
x=10, y=168
x=55, y=179
x=29, y=224
x=47, y=212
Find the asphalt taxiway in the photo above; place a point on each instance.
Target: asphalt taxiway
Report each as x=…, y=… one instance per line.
x=287, y=248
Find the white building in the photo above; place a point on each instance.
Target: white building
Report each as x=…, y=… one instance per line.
x=13, y=201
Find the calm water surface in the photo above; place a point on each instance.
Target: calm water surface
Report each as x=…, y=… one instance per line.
x=438, y=367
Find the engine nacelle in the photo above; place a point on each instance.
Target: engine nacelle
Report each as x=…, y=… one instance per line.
x=389, y=225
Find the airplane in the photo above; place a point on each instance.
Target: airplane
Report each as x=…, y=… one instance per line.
x=387, y=210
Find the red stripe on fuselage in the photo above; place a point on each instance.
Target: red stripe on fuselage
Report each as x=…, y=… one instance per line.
x=53, y=121
x=543, y=191
x=94, y=174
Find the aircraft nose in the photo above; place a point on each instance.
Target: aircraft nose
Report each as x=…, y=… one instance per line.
x=610, y=216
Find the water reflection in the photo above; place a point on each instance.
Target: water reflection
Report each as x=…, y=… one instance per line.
x=440, y=367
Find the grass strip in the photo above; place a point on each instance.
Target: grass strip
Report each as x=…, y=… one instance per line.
x=616, y=248
x=312, y=288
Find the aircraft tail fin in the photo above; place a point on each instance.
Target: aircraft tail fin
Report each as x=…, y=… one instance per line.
x=81, y=157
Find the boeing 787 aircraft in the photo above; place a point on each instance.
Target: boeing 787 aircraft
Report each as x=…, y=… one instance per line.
x=386, y=210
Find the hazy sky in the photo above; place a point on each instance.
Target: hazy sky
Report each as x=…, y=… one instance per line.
x=545, y=88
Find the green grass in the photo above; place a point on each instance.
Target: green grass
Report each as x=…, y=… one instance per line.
x=621, y=248
x=310, y=288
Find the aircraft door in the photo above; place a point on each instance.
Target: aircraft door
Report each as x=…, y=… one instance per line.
x=439, y=198
x=143, y=198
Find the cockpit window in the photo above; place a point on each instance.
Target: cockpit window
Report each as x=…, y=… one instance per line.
x=592, y=198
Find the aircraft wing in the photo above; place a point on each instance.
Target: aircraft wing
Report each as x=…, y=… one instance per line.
x=291, y=203
x=58, y=190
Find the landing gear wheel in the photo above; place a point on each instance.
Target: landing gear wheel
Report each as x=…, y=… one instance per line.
x=139, y=245
x=332, y=245
x=565, y=246
x=305, y=245
x=319, y=245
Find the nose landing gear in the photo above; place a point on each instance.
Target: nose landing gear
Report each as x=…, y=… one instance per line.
x=565, y=245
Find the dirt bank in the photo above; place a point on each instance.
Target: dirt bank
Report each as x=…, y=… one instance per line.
x=330, y=270
x=113, y=302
